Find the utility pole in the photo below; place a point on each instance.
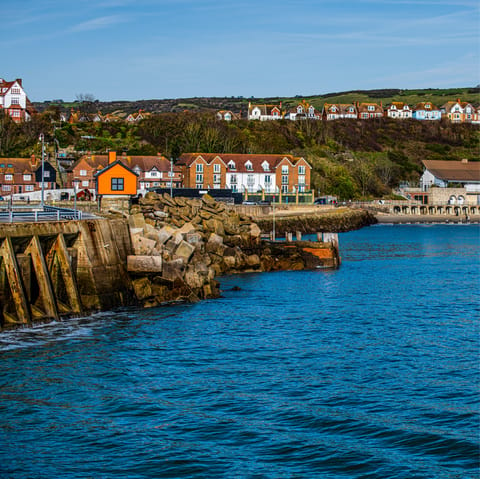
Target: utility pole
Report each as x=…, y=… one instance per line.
x=42, y=203
x=171, y=177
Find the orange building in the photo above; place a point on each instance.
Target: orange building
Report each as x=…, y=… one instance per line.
x=116, y=179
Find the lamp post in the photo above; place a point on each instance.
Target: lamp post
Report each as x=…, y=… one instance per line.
x=75, y=184
x=42, y=138
x=170, y=174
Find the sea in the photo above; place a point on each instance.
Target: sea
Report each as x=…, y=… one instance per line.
x=368, y=371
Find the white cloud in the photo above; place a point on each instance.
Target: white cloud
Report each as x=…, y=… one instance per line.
x=99, y=23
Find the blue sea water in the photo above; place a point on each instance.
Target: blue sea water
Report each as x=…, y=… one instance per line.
x=370, y=371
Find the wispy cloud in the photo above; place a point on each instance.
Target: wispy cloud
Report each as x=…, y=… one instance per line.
x=99, y=23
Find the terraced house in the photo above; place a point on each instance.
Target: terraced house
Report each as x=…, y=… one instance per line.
x=24, y=175
x=152, y=171
x=246, y=173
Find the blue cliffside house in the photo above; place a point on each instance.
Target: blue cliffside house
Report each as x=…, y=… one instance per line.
x=426, y=111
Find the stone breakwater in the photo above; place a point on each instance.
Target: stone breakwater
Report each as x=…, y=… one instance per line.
x=338, y=220
x=181, y=245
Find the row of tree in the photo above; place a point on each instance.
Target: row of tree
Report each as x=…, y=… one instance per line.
x=350, y=158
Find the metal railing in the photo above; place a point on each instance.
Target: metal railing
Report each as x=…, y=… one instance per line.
x=49, y=213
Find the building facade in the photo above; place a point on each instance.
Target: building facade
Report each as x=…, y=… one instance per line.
x=245, y=172
x=398, y=110
x=14, y=101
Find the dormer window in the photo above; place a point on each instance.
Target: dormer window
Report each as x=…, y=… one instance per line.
x=231, y=165
x=265, y=166
x=248, y=166
x=371, y=108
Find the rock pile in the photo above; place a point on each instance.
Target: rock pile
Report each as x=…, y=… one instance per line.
x=181, y=245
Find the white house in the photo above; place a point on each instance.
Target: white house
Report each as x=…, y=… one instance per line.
x=14, y=101
x=337, y=111
x=264, y=112
x=399, y=110
x=303, y=111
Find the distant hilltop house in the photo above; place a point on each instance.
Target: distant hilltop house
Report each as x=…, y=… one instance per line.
x=246, y=172
x=137, y=116
x=24, y=175
x=426, y=111
x=152, y=171
x=336, y=111
x=227, y=115
x=14, y=100
x=369, y=110
x=460, y=112
x=264, y=112
x=303, y=111
x=399, y=110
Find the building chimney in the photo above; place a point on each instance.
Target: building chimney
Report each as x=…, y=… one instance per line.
x=112, y=157
x=33, y=161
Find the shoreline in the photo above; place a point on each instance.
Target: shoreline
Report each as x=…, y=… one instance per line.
x=425, y=219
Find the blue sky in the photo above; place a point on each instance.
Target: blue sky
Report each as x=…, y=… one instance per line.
x=144, y=49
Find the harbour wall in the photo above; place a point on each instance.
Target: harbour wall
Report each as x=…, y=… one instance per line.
x=162, y=250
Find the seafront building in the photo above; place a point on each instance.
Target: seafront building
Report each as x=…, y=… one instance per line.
x=152, y=171
x=246, y=173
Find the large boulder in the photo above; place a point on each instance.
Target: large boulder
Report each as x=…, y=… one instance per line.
x=142, y=288
x=144, y=264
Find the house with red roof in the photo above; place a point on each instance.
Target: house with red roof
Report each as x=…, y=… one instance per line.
x=14, y=101
x=369, y=110
x=459, y=111
x=245, y=172
x=426, y=111
x=338, y=111
x=303, y=111
x=152, y=171
x=264, y=112
x=24, y=175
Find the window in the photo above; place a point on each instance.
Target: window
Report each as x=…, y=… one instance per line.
x=15, y=113
x=83, y=172
x=248, y=166
x=15, y=91
x=285, y=170
x=284, y=188
x=250, y=181
x=28, y=187
x=265, y=166
x=199, y=178
x=15, y=101
x=301, y=180
x=117, y=184
x=8, y=177
x=216, y=178
x=199, y=186
x=27, y=177
x=154, y=174
x=7, y=187
x=231, y=165
x=301, y=169
x=284, y=179
x=216, y=168
x=233, y=179
x=199, y=168
x=268, y=179
x=371, y=108
x=85, y=184
x=46, y=174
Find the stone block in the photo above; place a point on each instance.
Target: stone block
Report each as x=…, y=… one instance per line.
x=184, y=250
x=173, y=270
x=136, y=221
x=165, y=233
x=144, y=264
x=194, y=238
x=142, y=288
x=142, y=245
x=186, y=228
